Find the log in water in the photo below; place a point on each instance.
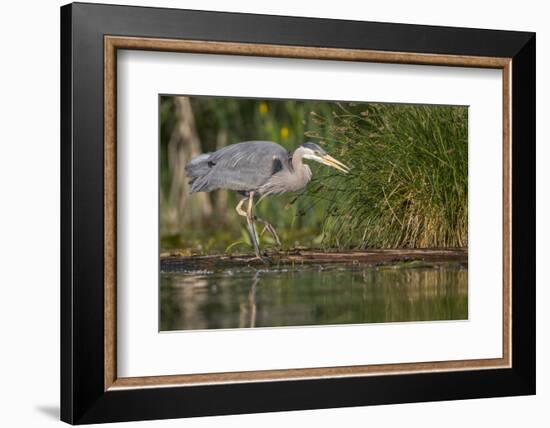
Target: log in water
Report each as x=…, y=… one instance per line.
x=173, y=261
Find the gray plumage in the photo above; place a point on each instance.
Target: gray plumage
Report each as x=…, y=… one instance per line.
x=260, y=166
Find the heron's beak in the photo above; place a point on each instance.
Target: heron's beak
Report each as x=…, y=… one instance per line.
x=330, y=161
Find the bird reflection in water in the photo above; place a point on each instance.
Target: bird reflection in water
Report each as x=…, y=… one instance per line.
x=248, y=309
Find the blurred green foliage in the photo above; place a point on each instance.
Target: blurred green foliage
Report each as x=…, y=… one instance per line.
x=407, y=188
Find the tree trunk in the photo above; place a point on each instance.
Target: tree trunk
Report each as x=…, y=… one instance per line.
x=183, y=145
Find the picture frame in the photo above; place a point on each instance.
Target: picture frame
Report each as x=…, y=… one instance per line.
x=91, y=35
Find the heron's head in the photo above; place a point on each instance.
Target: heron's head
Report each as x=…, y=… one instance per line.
x=314, y=152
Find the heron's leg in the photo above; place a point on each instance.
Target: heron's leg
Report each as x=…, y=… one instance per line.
x=251, y=228
x=239, y=209
x=270, y=229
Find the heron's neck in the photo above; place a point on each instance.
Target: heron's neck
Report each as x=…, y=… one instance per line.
x=300, y=169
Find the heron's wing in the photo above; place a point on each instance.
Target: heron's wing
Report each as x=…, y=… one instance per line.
x=245, y=166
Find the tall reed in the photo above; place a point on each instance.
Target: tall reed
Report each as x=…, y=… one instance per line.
x=409, y=181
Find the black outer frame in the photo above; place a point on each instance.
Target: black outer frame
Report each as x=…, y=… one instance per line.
x=83, y=399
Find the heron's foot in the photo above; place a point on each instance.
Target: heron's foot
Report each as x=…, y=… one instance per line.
x=259, y=258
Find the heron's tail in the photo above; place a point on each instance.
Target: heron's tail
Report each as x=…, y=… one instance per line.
x=196, y=170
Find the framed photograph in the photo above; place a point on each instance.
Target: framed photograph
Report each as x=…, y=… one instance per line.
x=266, y=213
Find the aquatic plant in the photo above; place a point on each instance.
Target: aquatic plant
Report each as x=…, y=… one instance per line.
x=409, y=181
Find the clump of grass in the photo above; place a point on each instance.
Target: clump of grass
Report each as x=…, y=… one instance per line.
x=409, y=181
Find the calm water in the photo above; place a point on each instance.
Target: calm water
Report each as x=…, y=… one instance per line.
x=312, y=295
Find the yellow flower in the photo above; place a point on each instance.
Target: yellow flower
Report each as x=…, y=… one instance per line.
x=284, y=132
x=262, y=108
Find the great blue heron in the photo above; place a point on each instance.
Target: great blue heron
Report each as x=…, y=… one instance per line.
x=256, y=168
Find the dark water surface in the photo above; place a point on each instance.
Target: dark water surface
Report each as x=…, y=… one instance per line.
x=312, y=295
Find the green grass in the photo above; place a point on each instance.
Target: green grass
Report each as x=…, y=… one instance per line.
x=409, y=181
